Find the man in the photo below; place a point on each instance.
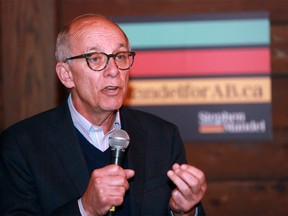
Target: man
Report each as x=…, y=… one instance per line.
x=58, y=162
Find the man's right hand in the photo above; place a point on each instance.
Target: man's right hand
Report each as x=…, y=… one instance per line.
x=106, y=188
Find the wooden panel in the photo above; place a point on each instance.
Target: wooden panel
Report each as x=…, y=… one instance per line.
x=280, y=101
x=242, y=160
x=249, y=198
x=28, y=75
x=279, y=48
x=70, y=8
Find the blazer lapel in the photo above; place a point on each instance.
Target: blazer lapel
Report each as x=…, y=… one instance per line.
x=136, y=160
x=65, y=142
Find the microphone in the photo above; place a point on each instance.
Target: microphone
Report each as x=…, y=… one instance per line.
x=118, y=142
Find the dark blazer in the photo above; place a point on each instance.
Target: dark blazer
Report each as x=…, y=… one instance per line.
x=43, y=170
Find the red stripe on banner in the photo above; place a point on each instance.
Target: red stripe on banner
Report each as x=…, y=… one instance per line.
x=201, y=62
x=211, y=129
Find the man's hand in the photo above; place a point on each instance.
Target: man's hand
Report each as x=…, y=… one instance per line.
x=106, y=188
x=190, y=188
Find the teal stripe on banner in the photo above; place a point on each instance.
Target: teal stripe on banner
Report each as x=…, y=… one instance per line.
x=203, y=33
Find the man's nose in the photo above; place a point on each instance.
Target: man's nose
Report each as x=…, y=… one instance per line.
x=111, y=69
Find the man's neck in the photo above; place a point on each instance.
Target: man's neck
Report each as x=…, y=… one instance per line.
x=105, y=121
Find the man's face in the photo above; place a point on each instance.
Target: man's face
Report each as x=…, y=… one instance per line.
x=98, y=91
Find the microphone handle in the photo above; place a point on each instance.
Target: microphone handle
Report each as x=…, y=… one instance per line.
x=117, y=157
x=111, y=211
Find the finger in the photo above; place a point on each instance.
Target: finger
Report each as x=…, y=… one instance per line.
x=186, y=182
x=173, y=204
x=194, y=177
x=178, y=181
x=117, y=191
x=111, y=190
x=193, y=171
x=109, y=170
x=191, y=175
x=175, y=166
x=178, y=203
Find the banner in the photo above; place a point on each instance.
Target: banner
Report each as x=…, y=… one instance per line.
x=209, y=73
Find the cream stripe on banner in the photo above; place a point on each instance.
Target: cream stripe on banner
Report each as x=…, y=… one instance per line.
x=199, y=91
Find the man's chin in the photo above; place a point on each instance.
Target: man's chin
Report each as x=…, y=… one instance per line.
x=112, y=108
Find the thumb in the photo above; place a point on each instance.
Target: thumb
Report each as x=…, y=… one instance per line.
x=129, y=173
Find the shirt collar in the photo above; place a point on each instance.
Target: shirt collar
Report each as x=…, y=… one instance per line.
x=85, y=127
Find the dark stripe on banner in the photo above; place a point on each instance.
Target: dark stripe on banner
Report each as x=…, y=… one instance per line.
x=247, y=121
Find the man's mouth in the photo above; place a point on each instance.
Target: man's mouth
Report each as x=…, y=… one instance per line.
x=111, y=90
x=111, y=87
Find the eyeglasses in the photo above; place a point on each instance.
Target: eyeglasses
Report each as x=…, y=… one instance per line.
x=98, y=61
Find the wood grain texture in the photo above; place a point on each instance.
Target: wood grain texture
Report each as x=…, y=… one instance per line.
x=279, y=48
x=247, y=198
x=28, y=77
x=70, y=8
x=241, y=160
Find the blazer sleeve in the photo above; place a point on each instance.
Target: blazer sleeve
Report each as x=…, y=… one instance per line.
x=17, y=189
x=70, y=208
x=19, y=192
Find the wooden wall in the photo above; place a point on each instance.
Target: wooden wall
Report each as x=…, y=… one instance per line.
x=27, y=78
x=244, y=177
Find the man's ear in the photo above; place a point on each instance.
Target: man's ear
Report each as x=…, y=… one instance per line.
x=64, y=74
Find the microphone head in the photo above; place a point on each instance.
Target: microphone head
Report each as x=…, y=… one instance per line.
x=119, y=139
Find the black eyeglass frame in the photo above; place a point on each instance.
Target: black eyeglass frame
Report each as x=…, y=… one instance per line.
x=88, y=55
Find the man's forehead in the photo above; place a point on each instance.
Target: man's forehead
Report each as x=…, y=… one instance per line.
x=95, y=27
x=95, y=22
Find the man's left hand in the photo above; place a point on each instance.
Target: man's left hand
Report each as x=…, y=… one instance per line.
x=190, y=188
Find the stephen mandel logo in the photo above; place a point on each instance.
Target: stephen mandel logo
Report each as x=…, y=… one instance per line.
x=228, y=122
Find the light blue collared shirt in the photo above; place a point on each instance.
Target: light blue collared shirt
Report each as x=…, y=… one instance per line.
x=94, y=134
